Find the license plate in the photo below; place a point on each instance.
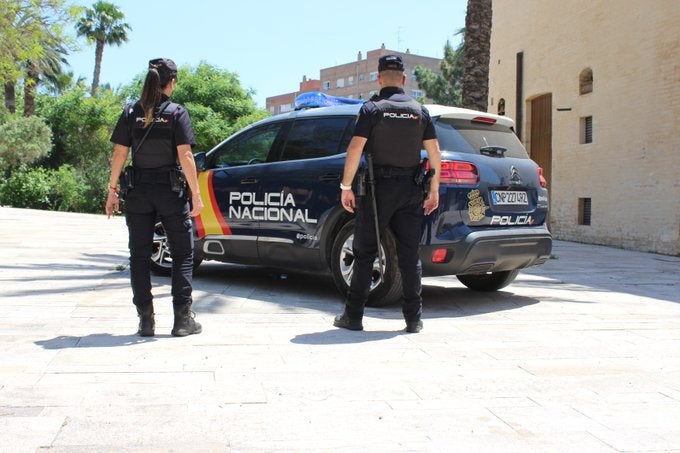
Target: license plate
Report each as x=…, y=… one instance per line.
x=509, y=197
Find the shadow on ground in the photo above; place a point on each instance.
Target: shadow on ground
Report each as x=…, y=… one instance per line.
x=222, y=282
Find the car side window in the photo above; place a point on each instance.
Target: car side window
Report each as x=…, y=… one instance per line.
x=317, y=137
x=251, y=147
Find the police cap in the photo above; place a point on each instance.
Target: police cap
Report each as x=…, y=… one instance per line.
x=390, y=63
x=166, y=68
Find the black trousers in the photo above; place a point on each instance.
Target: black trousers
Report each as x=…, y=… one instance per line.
x=150, y=200
x=400, y=206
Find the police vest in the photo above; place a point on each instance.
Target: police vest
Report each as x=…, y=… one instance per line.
x=158, y=149
x=397, y=136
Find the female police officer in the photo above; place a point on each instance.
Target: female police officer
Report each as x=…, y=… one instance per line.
x=160, y=135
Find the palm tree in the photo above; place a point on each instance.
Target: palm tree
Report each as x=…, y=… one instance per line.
x=39, y=50
x=25, y=20
x=62, y=82
x=477, y=53
x=48, y=66
x=102, y=24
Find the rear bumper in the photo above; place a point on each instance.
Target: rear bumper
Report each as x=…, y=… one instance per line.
x=490, y=251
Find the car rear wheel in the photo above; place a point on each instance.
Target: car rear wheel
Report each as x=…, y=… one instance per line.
x=491, y=281
x=385, y=289
x=161, y=259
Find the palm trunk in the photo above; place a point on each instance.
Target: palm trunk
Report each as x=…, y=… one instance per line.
x=98, y=53
x=10, y=97
x=477, y=54
x=30, y=85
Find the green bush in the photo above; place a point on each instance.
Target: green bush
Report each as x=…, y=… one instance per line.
x=22, y=141
x=27, y=189
x=67, y=189
x=60, y=190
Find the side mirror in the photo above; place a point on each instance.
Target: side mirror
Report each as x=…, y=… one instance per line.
x=200, y=161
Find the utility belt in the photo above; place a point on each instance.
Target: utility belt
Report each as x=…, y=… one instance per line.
x=420, y=175
x=153, y=175
x=174, y=176
x=385, y=171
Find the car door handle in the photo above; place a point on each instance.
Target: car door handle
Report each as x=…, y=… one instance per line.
x=249, y=180
x=329, y=177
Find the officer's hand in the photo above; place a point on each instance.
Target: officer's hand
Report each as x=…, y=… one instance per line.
x=347, y=199
x=431, y=202
x=196, y=204
x=111, y=203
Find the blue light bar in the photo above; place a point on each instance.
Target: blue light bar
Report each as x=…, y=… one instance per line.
x=314, y=99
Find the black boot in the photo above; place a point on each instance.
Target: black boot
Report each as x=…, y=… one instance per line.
x=147, y=323
x=414, y=326
x=185, y=324
x=345, y=322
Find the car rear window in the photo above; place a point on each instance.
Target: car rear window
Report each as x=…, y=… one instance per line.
x=466, y=136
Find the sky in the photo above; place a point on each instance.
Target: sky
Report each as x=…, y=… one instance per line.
x=269, y=44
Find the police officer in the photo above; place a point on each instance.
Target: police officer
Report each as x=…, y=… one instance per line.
x=160, y=135
x=394, y=128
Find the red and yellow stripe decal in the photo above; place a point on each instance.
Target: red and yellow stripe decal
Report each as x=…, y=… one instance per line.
x=210, y=221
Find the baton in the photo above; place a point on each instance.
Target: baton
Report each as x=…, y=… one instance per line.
x=371, y=185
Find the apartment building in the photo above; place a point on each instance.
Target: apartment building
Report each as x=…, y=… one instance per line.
x=594, y=87
x=283, y=103
x=357, y=79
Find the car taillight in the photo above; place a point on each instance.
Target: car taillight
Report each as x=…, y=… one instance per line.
x=439, y=256
x=483, y=119
x=456, y=172
x=541, y=179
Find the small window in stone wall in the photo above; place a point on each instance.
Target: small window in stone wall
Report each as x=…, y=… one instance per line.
x=584, y=211
x=586, y=130
x=501, y=107
x=586, y=81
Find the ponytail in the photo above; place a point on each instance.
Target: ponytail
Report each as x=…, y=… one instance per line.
x=151, y=95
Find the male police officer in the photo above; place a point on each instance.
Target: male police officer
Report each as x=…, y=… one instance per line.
x=394, y=128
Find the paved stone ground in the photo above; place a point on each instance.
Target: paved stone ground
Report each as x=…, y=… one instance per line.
x=579, y=355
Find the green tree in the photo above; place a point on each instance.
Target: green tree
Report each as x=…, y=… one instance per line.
x=81, y=126
x=62, y=82
x=102, y=24
x=47, y=66
x=444, y=88
x=27, y=27
x=477, y=55
x=23, y=141
x=216, y=101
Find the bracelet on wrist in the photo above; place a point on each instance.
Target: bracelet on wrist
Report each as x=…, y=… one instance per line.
x=344, y=187
x=115, y=189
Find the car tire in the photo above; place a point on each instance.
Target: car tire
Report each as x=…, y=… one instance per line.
x=161, y=260
x=492, y=281
x=385, y=291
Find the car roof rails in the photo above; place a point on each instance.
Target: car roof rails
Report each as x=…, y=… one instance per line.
x=315, y=99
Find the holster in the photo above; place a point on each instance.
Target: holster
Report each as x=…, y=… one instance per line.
x=419, y=177
x=126, y=180
x=423, y=177
x=426, y=182
x=178, y=183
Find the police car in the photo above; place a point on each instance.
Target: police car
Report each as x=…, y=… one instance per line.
x=272, y=198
